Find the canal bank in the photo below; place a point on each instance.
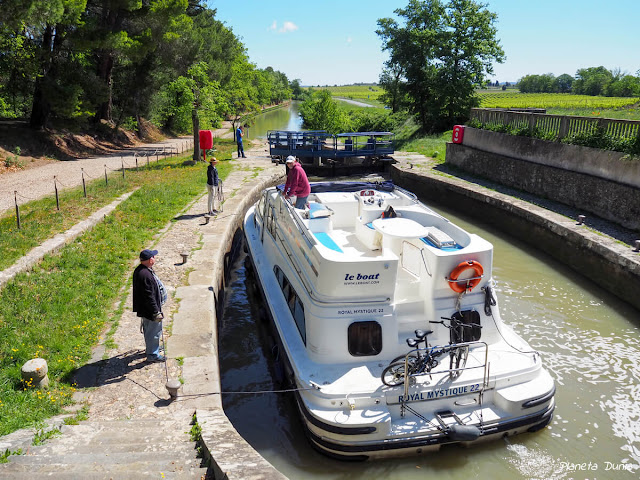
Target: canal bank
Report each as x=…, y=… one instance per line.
x=606, y=261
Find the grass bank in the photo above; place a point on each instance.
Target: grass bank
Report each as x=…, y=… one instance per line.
x=409, y=138
x=58, y=310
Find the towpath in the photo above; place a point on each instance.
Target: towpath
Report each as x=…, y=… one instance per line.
x=35, y=183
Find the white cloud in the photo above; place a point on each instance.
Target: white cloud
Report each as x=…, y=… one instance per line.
x=349, y=40
x=288, y=27
x=273, y=26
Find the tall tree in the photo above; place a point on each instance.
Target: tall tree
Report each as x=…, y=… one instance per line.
x=443, y=51
x=320, y=112
x=391, y=82
x=592, y=81
x=564, y=83
x=47, y=24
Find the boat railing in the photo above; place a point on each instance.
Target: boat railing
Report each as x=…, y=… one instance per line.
x=453, y=372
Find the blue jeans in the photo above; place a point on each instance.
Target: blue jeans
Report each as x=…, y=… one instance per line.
x=240, y=150
x=301, y=202
x=152, y=333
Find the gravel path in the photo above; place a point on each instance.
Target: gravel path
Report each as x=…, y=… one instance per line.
x=35, y=183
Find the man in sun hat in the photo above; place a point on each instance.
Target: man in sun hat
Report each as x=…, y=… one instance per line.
x=149, y=295
x=297, y=182
x=212, y=183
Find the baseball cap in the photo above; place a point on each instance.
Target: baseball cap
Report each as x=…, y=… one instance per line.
x=146, y=254
x=291, y=159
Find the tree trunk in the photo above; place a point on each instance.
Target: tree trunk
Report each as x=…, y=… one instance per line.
x=40, y=108
x=105, y=71
x=196, y=135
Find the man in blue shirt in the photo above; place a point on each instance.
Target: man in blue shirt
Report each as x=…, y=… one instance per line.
x=239, y=135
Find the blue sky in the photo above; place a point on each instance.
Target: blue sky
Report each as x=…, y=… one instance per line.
x=327, y=42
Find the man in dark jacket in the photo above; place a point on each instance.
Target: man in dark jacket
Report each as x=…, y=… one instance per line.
x=148, y=296
x=212, y=183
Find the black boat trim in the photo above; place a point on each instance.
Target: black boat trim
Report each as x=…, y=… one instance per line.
x=534, y=402
x=328, y=427
x=536, y=422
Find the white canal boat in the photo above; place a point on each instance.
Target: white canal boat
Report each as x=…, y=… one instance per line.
x=388, y=324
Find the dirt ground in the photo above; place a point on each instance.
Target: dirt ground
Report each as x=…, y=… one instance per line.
x=35, y=149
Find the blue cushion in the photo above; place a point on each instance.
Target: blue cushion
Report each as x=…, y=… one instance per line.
x=318, y=210
x=446, y=249
x=327, y=241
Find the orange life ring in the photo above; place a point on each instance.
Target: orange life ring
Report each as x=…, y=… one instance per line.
x=462, y=285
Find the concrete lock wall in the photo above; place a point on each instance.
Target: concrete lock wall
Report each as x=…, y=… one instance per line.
x=610, y=265
x=600, y=182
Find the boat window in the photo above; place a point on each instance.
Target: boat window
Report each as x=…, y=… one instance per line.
x=270, y=221
x=293, y=301
x=365, y=338
x=260, y=208
x=279, y=276
x=298, y=316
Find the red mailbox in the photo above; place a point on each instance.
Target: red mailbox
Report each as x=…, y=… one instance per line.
x=458, y=134
x=206, y=139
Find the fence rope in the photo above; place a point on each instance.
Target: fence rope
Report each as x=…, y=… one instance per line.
x=164, y=150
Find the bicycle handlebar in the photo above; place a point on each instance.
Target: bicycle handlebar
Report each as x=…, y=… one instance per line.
x=458, y=323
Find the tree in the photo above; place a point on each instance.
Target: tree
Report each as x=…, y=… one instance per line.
x=546, y=83
x=624, y=86
x=391, y=81
x=443, y=51
x=592, y=81
x=296, y=89
x=320, y=112
x=241, y=92
x=564, y=83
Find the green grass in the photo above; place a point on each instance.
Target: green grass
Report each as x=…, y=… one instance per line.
x=623, y=113
x=409, y=139
x=563, y=103
x=58, y=310
x=355, y=92
x=41, y=220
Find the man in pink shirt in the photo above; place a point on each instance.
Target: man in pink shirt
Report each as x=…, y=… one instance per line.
x=297, y=183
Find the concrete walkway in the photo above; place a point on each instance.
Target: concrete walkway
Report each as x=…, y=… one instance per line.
x=122, y=390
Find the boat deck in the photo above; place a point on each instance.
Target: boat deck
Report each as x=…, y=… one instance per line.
x=343, y=240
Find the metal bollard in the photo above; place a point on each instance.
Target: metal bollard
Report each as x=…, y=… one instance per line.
x=581, y=219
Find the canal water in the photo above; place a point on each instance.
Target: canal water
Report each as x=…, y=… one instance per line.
x=285, y=118
x=589, y=341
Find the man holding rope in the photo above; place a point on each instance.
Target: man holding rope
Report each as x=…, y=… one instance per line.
x=149, y=294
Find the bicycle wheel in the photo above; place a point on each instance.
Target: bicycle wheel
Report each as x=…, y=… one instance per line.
x=458, y=359
x=394, y=374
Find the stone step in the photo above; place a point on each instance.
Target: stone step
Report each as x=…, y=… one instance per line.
x=125, y=433
x=103, y=458
x=122, y=449
x=141, y=445
x=69, y=474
